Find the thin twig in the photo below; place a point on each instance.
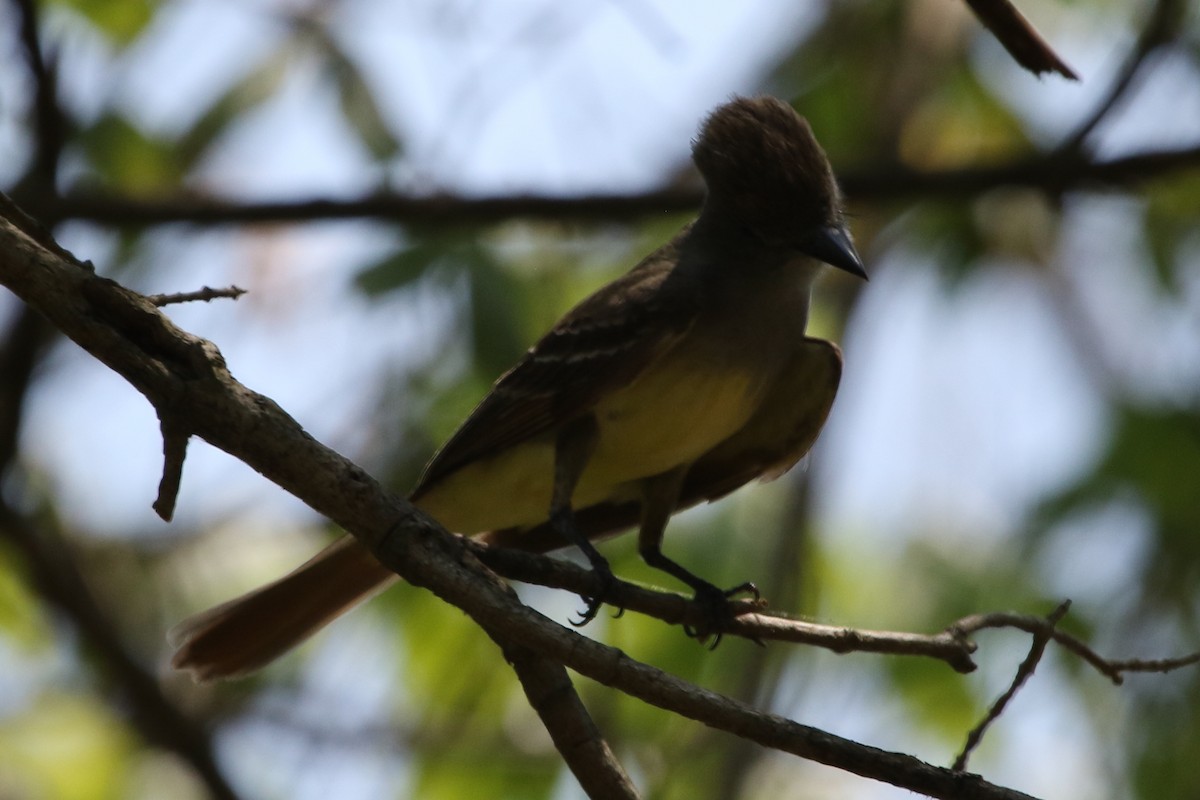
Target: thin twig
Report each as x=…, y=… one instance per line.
x=607, y=665
x=205, y=293
x=1162, y=26
x=784, y=576
x=952, y=646
x=1112, y=669
x=175, y=440
x=1036, y=649
x=1154, y=664
x=749, y=621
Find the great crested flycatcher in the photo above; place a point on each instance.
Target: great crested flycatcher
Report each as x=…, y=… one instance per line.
x=676, y=383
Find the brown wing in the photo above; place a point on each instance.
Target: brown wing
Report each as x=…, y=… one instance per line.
x=769, y=445
x=601, y=344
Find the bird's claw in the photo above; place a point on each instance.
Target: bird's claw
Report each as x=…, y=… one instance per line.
x=591, y=609
x=592, y=604
x=717, y=612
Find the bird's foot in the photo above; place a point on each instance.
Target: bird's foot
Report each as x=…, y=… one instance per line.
x=717, y=611
x=593, y=603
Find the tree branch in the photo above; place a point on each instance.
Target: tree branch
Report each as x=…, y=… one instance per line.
x=552, y=695
x=576, y=737
x=1037, y=649
x=184, y=376
x=952, y=645
x=1113, y=669
x=48, y=123
x=750, y=622
x=1052, y=172
x=1019, y=37
x=52, y=570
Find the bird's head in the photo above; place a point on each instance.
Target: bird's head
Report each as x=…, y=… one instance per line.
x=765, y=171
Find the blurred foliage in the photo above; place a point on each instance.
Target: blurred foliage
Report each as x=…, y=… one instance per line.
x=915, y=84
x=1153, y=461
x=1170, y=226
x=119, y=22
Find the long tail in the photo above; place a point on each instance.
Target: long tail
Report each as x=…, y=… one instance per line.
x=250, y=631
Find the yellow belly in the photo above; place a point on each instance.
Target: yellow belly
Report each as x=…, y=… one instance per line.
x=663, y=420
x=668, y=418
x=511, y=489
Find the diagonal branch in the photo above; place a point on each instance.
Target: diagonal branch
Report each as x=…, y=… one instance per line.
x=1036, y=649
x=576, y=737
x=1019, y=37
x=184, y=375
x=551, y=694
x=611, y=667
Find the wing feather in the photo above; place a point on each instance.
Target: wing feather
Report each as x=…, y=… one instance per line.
x=602, y=344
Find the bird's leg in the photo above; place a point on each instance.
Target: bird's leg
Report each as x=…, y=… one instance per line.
x=659, y=497
x=572, y=449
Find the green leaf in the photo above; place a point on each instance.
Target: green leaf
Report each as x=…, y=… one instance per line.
x=1169, y=729
x=125, y=158
x=1154, y=453
x=402, y=268
x=243, y=95
x=1170, y=224
x=937, y=699
x=355, y=97
x=21, y=620
x=495, y=771
x=362, y=112
x=58, y=730
x=496, y=312
x=947, y=235
x=1152, y=462
x=121, y=21
x=459, y=683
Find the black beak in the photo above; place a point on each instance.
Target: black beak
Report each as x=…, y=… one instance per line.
x=832, y=245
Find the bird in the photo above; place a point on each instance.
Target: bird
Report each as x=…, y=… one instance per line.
x=677, y=383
